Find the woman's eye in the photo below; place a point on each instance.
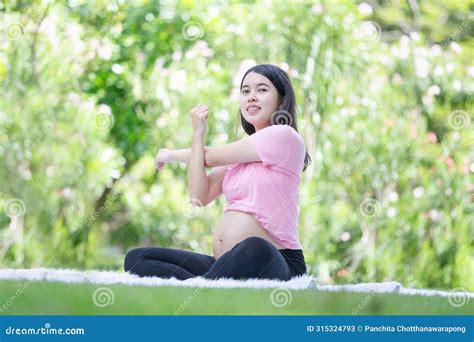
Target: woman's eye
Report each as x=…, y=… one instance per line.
x=246, y=91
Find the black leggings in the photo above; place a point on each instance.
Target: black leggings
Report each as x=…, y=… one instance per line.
x=253, y=257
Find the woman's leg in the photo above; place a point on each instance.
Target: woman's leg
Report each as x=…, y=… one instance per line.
x=167, y=262
x=253, y=257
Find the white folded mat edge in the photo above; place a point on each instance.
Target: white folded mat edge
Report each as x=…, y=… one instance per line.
x=302, y=282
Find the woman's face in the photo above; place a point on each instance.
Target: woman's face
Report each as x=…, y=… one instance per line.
x=258, y=100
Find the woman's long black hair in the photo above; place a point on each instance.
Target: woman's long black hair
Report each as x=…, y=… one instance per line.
x=286, y=114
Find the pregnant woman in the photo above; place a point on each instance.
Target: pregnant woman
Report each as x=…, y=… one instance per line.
x=259, y=175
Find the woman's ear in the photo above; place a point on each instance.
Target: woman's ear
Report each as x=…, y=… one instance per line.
x=282, y=99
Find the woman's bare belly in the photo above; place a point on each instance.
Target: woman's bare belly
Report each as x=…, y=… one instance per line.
x=234, y=227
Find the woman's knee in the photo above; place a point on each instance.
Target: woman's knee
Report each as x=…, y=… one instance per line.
x=257, y=247
x=256, y=241
x=133, y=257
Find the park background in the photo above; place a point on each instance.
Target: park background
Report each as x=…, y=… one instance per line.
x=91, y=90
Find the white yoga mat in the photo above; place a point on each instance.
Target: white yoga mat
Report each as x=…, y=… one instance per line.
x=297, y=283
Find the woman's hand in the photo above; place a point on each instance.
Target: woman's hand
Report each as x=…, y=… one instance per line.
x=199, y=116
x=164, y=156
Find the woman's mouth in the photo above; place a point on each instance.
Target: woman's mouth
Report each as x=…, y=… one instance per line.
x=253, y=110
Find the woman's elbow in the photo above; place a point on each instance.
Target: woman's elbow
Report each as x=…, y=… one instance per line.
x=209, y=157
x=197, y=202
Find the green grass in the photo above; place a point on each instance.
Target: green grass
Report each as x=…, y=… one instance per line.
x=46, y=298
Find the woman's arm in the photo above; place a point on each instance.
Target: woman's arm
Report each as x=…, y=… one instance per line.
x=240, y=151
x=198, y=183
x=183, y=155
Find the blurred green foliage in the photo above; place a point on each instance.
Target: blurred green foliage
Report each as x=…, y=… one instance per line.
x=91, y=90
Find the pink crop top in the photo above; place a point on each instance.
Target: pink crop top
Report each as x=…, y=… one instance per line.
x=269, y=190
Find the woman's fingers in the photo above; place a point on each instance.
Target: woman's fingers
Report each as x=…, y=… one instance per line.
x=202, y=113
x=199, y=116
x=204, y=110
x=199, y=108
x=159, y=166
